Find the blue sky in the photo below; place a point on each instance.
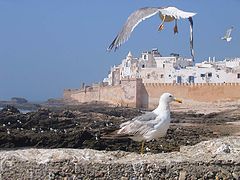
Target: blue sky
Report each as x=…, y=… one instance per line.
x=49, y=45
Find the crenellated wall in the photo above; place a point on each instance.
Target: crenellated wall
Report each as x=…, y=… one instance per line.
x=134, y=93
x=202, y=92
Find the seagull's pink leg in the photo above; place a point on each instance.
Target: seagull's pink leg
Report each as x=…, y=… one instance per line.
x=161, y=26
x=175, y=29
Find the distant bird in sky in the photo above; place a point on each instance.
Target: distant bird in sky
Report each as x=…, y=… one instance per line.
x=151, y=125
x=227, y=37
x=167, y=14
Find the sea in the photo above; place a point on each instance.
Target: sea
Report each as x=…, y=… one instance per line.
x=24, y=111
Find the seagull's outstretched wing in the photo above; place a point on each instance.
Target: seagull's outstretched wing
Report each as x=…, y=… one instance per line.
x=228, y=33
x=191, y=37
x=227, y=36
x=133, y=20
x=176, y=13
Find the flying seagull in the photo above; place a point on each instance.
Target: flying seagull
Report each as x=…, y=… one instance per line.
x=227, y=36
x=151, y=125
x=167, y=14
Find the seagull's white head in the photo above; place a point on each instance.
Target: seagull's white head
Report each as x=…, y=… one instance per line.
x=167, y=98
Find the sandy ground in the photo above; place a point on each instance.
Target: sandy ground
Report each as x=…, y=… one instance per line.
x=205, y=107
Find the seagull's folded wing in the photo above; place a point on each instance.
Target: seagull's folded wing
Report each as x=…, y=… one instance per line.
x=137, y=127
x=146, y=117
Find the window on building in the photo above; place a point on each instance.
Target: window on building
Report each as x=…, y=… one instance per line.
x=179, y=79
x=202, y=75
x=161, y=75
x=163, y=65
x=145, y=56
x=143, y=66
x=169, y=75
x=238, y=75
x=148, y=76
x=128, y=64
x=191, y=79
x=209, y=74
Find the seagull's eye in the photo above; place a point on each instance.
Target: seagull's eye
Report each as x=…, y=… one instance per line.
x=170, y=95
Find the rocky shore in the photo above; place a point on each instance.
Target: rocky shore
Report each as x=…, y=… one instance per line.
x=79, y=141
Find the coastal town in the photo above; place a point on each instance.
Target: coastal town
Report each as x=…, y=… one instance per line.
x=152, y=67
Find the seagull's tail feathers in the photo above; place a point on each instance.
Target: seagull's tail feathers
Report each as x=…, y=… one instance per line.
x=123, y=130
x=125, y=124
x=114, y=135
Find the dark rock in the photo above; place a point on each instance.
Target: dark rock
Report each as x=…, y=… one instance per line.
x=86, y=126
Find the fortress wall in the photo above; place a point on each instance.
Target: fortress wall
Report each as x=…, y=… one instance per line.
x=134, y=93
x=86, y=95
x=67, y=94
x=123, y=94
x=196, y=92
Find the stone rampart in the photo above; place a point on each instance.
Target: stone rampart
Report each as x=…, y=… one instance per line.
x=202, y=92
x=134, y=93
x=124, y=94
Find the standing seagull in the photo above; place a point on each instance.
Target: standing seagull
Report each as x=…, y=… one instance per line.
x=151, y=125
x=227, y=36
x=167, y=14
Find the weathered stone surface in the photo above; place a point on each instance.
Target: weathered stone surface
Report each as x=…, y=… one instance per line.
x=206, y=160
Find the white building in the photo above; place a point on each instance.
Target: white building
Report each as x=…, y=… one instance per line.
x=152, y=67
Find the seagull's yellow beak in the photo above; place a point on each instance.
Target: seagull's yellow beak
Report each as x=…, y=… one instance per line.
x=177, y=100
